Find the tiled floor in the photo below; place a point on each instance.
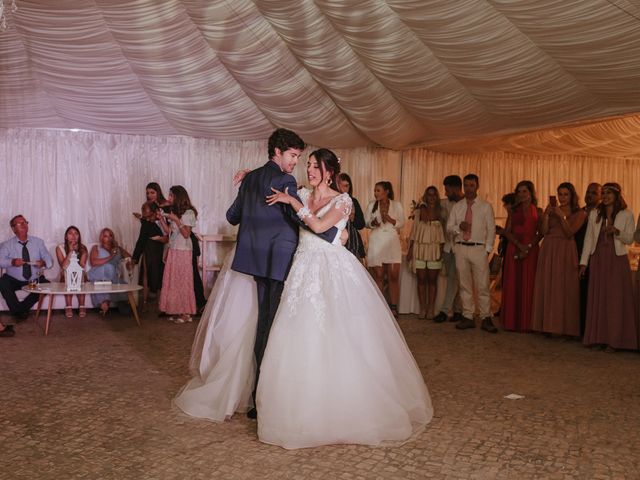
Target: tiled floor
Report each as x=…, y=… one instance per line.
x=93, y=401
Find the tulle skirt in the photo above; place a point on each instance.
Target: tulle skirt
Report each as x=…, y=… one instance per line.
x=337, y=368
x=222, y=360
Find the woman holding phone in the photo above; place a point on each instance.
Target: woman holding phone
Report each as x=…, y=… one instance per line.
x=556, y=298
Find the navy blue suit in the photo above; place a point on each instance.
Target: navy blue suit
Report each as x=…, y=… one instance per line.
x=267, y=240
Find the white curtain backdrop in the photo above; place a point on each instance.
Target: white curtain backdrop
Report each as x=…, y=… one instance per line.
x=92, y=180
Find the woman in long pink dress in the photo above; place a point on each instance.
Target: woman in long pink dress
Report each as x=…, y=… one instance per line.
x=610, y=306
x=556, y=298
x=522, y=232
x=177, y=297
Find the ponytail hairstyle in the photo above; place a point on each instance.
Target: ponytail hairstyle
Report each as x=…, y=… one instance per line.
x=387, y=187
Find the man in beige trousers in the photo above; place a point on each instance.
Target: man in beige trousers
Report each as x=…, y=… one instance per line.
x=472, y=226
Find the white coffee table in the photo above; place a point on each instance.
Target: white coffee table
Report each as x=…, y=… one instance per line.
x=52, y=289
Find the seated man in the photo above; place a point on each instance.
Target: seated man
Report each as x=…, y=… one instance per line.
x=23, y=257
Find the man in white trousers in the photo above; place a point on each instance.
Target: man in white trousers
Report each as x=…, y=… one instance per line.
x=472, y=226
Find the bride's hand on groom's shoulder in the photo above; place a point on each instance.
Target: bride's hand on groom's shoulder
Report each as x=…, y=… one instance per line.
x=239, y=176
x=279, y=197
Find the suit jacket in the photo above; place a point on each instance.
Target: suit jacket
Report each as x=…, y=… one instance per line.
x=624, y=222
x=268, y=235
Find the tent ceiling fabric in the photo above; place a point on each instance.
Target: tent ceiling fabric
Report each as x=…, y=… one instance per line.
x=463, y=75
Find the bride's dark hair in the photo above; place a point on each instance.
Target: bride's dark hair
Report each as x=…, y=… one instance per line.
x=328, y=162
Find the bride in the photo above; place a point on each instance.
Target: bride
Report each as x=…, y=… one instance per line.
x=336, y=369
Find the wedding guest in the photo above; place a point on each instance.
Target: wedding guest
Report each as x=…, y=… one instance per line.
x=177, y=296
x=154, y=194
x=24, y=257
x=149, y=251
x=105, y=261
x=636, y=238
x=72, y=244
x=508, y=201
x=523, y=234
x=451, y=303
x=592, y=199
x=356, y=219
x=384, y=216
x=425, y=249
x=610, y=306
x=556, y=304
x=472, y=225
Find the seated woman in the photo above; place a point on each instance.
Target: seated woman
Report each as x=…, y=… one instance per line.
x=72, y=244
x=105, y=266
x=149, y=248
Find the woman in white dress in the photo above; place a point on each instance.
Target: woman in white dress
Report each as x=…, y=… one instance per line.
x=337, y=368
x=385, y=217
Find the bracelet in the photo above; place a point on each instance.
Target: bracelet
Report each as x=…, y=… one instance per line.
x=303, y=213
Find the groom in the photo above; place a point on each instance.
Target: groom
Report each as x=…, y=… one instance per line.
x=268, y=235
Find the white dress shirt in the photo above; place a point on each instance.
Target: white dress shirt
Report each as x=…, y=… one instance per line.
x=446, y=205
x=483, y=225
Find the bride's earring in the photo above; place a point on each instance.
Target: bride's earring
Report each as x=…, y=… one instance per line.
x=328, y=180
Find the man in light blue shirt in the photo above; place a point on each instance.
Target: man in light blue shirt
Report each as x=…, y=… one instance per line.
x=23, y=257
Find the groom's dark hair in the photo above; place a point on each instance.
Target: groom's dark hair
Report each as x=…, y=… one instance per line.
x=283, y=140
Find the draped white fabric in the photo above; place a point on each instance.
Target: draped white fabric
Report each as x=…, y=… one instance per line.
x=396, y=74
x=94, y=180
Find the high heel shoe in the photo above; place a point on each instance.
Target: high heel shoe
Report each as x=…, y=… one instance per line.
x=82, y=312
x=68, y=312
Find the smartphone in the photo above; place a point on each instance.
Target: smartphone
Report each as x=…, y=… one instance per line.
x=553, y=201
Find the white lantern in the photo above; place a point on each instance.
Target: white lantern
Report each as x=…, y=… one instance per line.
x=73, y=274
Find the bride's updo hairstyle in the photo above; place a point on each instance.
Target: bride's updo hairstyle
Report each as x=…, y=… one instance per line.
x=328, y=162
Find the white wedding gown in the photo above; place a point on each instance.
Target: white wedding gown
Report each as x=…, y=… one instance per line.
x=222, y=360
x=336, y=369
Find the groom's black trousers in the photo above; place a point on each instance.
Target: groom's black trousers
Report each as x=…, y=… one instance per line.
x=269, y=293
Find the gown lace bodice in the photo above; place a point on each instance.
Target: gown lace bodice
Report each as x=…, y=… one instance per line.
x=342, y=202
